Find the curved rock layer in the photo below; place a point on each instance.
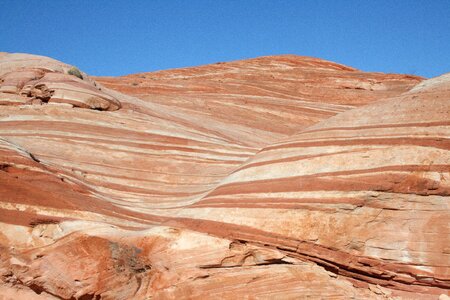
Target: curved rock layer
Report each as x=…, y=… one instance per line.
x=149, y=154
x=365, y=193
x=29, y=79
x=262, y=100
x=207, y=183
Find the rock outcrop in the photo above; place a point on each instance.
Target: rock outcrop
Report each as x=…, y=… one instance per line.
x=277, y=177
x=27, y=79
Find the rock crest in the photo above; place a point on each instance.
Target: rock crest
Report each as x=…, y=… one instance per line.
x=27, y=79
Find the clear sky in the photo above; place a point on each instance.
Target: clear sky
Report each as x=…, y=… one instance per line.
x=123, y=37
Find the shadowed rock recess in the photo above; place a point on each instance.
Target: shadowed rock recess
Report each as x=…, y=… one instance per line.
x=280, y=177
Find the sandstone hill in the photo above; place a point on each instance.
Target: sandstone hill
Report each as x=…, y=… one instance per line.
x=280, y=177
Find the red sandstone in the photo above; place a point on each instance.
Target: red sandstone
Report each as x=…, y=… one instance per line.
x=277, y=177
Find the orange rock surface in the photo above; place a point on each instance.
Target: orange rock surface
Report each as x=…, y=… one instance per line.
x=280, y=177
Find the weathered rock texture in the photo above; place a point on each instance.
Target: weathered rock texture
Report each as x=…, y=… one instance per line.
x=29, y=79
x=278, y=177
x=262, y=100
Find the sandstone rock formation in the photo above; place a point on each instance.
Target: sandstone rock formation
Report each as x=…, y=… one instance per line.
x=26, y=79
x=278, y=177
x=262, y=100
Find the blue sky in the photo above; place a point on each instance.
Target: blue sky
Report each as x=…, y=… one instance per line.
x=123, y=37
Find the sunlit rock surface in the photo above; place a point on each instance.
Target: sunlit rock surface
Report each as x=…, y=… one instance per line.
x=30, y=79
x=261, y=100
x=279, y=177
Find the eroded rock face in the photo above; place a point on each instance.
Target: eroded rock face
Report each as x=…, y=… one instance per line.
x=261, y=100
x=189, y=192
x=29, y=79
x=365, y=193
